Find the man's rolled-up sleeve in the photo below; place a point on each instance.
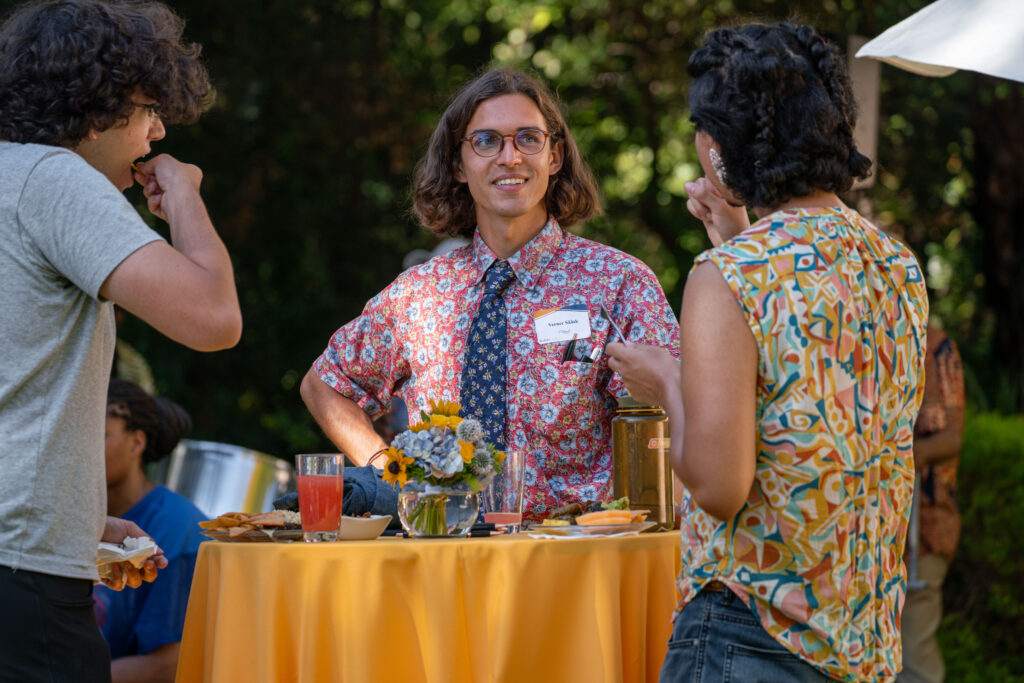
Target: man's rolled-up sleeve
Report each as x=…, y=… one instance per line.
x=364, y=359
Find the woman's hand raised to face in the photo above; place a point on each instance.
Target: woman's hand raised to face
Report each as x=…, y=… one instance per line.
x=721, y=220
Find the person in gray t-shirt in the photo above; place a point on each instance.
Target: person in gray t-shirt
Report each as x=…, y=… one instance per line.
x=85, y=88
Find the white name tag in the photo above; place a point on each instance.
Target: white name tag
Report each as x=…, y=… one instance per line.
x=562, y=324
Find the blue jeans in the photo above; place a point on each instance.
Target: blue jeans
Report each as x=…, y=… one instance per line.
x=717, y=638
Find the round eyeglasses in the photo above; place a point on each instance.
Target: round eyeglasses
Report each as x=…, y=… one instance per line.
x=151, y=109
x=489, y=143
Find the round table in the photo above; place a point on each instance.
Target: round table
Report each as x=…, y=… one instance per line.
x=504, y=608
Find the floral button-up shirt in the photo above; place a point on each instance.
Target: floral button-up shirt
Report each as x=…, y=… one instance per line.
x=411, y=337
x=838, y=312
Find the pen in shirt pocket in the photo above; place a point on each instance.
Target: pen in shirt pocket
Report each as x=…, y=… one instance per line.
x=569, y=348
x=576, y=352
x=596, y=351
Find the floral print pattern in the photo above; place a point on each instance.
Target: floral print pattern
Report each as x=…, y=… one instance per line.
x=838, y=311
x=410, y=339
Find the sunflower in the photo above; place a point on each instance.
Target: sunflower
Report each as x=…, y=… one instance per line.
x=499, y=456
x=394, y=470
x=447, y=408
x=444, y=421
x=420, y=426
x=466, y=449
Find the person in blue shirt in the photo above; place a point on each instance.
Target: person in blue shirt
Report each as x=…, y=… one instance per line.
x=143, y=627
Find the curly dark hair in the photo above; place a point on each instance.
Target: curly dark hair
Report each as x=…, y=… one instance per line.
x=778, y=100
x=445, y=206
x=70, y=66
x=163, y=421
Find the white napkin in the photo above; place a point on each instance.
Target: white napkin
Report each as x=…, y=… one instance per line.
x=134, y=550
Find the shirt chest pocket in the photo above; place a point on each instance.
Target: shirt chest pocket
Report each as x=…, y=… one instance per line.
x=557, y=400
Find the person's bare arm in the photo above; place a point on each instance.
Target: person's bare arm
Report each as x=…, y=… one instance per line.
x=718, y=353
x=941, y=446
x=158, y=666
x=342, y=420
x=185, y=291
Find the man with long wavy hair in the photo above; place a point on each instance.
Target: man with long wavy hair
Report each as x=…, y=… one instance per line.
x=85, y=87
x=504, y=171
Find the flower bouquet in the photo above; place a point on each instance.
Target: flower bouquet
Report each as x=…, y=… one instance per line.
x=449, y=463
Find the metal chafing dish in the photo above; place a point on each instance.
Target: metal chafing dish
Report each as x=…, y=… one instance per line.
x=221, y=477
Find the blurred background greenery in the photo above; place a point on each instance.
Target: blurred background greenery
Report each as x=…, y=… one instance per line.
x=324, y=106
x=983, y=595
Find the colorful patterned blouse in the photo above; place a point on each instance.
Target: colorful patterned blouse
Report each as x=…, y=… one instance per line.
x=943, y=392
x=410, y=340
x=838, y=311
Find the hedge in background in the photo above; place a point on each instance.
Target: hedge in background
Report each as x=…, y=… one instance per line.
x=983, y=594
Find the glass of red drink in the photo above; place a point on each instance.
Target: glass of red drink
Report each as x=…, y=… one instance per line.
x=503, y=499
x=321, y=478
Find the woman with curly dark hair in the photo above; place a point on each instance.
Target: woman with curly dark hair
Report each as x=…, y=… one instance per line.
x=143, y=627
x=86, y=87
x=802, y=352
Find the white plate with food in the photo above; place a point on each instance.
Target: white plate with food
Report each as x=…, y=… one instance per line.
x=352, y=529
x=247, y=527
x=588, y=530
x=254, y=535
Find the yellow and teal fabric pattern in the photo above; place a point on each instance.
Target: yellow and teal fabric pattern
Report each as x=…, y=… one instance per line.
x=839, y=311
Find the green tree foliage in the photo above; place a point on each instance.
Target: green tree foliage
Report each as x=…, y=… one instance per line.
x=324, y=106
x=621, y=68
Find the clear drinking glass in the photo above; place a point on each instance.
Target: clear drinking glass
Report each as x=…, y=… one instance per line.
x=503, y=499
x=321, y=478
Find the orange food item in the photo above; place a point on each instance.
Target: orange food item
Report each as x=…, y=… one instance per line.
x=639, y=516
x=237, y=523
x=606, y=517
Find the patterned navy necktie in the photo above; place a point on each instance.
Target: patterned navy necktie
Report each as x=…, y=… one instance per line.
x=483, y=387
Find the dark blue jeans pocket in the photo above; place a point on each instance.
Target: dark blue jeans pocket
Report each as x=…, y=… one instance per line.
x=680, y=661
x=746, y=664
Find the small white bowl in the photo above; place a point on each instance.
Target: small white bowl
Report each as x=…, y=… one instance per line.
x=363, y=528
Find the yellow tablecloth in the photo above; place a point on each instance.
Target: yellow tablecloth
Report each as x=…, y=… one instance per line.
x=481, y=609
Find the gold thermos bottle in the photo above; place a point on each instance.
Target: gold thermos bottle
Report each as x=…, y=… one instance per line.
x=641, y=469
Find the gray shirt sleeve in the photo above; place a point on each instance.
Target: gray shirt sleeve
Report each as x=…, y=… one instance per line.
x=80, y=225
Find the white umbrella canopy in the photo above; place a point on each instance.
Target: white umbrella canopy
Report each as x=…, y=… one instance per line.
x=979, y=35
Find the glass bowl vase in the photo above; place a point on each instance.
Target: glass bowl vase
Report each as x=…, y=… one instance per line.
x=433, y=511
